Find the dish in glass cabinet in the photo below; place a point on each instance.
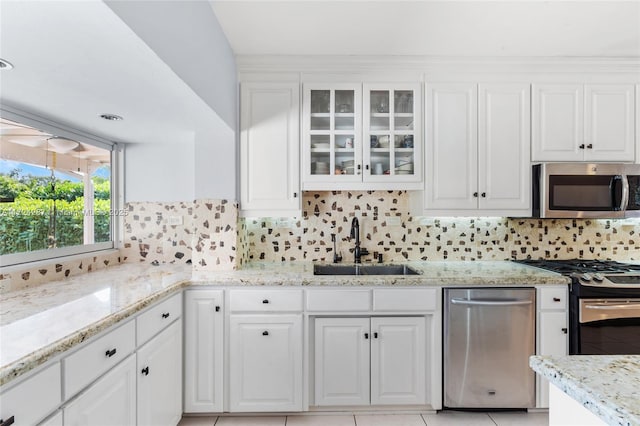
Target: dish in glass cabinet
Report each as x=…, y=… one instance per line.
x=321, y=145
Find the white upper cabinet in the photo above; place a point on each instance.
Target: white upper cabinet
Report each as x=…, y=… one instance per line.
x=269, y=149
x=576, y=122
x=391, y=138
x=477, y=149
x=361, y=139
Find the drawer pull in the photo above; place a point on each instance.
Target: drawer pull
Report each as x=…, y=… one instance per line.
x=375, y=335
x=145, y=371
x=7, y=422
x=265, y=301
x=564, y=330
x=265, y=333
x=110, y=353
x=556, y=299
x=366, y=335
x=165, y=315
x=217, y=308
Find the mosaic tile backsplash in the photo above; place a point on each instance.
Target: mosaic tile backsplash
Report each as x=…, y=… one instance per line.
x=387, y=227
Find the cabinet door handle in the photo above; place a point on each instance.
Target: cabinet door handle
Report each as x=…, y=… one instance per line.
x=366, y=167
x=483, y=195
x=265, y=301
x=375, y=335
x=564, y=330
x=475, y=194
x=217, y=308
x=366, y=335
x=581, y=146
x=110, y=353
x=165, y=315
x=7, y=422
x=145, y=371
x=590, y=146
x=295, y=195
x=265, y=333
x=556, y=299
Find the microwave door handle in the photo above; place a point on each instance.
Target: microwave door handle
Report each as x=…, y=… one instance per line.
x=619, y=188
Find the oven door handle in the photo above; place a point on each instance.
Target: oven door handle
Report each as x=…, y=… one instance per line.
x=612, y=307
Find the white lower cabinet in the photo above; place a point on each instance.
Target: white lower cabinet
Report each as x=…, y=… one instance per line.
x=265, y=361
x=203, y=351
x=109, y=401
x=377, y=361
x=160, y=378
x=33, y=399
x=552, y=332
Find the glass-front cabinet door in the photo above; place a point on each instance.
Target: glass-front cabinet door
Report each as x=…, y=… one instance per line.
x=391, y=138
x=332, y=137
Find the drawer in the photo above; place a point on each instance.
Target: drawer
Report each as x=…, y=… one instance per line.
x=265, y=300
x=339, y=300
x=407, y=299
x=34, y=398
x=149, y=323
x=553, y=297
x=99, y=356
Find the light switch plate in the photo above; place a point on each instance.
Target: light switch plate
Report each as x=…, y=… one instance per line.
x=175, y=220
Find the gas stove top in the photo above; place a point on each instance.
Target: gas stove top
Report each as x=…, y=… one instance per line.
x=597, y=273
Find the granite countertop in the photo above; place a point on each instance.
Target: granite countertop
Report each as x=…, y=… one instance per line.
x=39, y=323
x=607, y=385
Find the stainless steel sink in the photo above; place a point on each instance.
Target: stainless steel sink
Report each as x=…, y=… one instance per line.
x=363, y=270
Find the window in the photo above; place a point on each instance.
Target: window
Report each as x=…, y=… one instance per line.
x=56, y=194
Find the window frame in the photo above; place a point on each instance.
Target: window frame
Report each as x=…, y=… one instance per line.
x=117, y=205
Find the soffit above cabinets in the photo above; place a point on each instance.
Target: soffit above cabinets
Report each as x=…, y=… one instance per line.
x=434, y=28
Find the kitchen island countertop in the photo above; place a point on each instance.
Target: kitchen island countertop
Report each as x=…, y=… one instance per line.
x=606, y=385
x=38, y=323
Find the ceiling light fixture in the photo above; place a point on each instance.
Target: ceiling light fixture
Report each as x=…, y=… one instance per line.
x=111, y=117
x=5, y=65
x=62, y=145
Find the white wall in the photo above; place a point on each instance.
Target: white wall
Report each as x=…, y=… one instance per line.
x=186, y=35
x=159, y=172
x=214, y=162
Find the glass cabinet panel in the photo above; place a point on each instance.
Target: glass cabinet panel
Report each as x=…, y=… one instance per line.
x=333, y=134
x=391, y=129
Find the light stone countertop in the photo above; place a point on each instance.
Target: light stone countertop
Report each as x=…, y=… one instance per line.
x=37, y=324
x=606, y=385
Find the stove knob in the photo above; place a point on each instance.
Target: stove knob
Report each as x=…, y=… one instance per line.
x=585, y=277
x=598, y=278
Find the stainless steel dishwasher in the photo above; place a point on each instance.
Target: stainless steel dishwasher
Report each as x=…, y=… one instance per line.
x=489, y=335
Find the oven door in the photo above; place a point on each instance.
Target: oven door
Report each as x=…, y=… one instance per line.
x=609, y=327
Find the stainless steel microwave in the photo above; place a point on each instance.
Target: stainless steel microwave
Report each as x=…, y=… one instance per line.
x=586, y=190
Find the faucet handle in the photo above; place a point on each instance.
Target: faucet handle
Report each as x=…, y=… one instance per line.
x=337, y=257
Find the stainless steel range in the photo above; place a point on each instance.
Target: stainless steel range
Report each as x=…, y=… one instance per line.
x=604, y=305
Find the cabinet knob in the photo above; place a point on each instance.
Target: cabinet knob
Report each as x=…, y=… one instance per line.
x=375, y=335
x=366, y=167
x=145, y=371
x=475, y=194
x=590, y=146
x=564, y=330
x=265, y=333
x=295, y=195
x=217, y=308
x=11, y=420
x=581, y=146
x=165, y=315
x=366, y=335
x=556, y=299
x=110, y=353
x=265, y=301
x=484, y=195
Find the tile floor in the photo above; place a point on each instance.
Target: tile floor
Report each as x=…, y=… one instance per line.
x=444, y=418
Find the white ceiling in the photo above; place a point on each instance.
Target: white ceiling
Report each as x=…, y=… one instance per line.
x=439, y=28
x=75, y=60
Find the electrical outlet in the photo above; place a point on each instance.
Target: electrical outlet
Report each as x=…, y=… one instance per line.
x=175, y=220
x=393, y=221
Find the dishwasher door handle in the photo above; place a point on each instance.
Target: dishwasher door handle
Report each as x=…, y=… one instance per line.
x=498, y=302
